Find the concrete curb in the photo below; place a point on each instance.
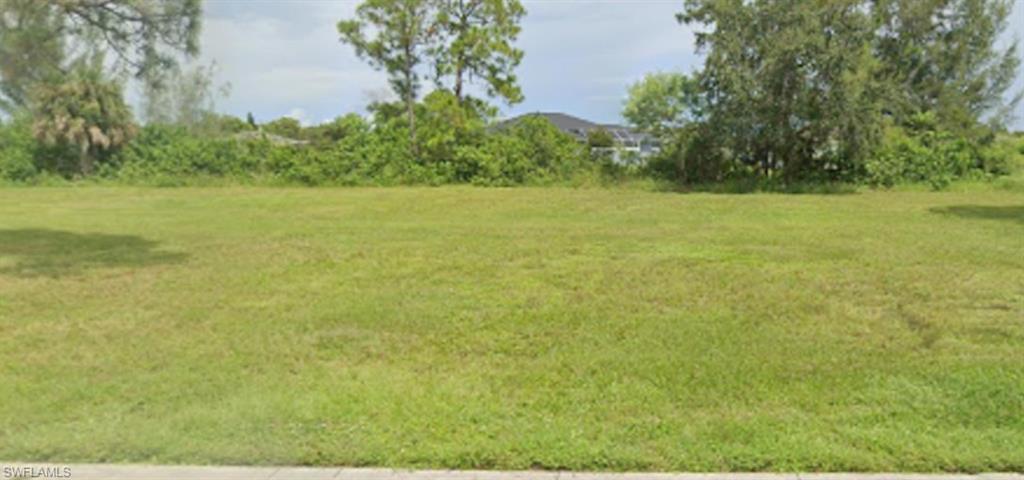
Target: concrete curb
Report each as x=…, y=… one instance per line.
x=152, y=472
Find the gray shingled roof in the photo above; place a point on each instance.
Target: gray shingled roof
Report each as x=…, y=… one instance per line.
x=580, y=128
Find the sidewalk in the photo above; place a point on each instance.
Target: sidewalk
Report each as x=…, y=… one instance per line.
x=146, y=472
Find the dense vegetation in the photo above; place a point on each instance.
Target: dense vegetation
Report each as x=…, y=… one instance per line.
x=843, y=91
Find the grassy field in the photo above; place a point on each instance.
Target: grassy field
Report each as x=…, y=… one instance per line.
x=522, y=328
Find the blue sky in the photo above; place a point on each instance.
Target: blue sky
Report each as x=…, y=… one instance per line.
x=283, y=57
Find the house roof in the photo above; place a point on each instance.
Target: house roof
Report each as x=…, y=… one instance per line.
x=580, y=128
x=568, y=122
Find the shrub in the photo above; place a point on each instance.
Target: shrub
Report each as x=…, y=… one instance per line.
x=548, y=152
x=335, y=130
x=691, y=155
x=169, y=151
x=920, y=153
x=1002, y=156
x=285, y=126
x=17, y=150
x=447, y=131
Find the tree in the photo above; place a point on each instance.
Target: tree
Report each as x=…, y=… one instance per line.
x=478, y=43
x=943, y=55
x=403, y=32
x=661, y=103
x=29, y=51
x=144, y=35
x=40, y=36
x=788, y=84
x=85, y=111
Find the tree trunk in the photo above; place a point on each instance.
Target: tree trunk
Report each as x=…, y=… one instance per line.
x=84, y=159
x=410, y=105
x=458, y=81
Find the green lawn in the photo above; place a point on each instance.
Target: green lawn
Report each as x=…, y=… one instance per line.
x=513, y=328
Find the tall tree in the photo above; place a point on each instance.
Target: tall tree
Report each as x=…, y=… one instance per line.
x=394, y=36
x=144, y=36
x=30, y=52
x=944, y=56
x=789, y=83
x=479, y=38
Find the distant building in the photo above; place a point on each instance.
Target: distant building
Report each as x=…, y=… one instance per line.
x=630, y=145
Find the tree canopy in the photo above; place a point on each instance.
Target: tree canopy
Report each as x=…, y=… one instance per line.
x=39, y=39
x=477, y=42
x=662, y=102
x=394, y=36
x=805, y=88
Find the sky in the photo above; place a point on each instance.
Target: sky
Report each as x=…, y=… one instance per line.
x=283, y=57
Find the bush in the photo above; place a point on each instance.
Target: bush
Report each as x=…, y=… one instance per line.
x=455, y=145
x=920, y=154
x=17, y=150
x=546, y=153
x=690, y=155
x=169, y=151
x=1003, y=156
x=285, y=127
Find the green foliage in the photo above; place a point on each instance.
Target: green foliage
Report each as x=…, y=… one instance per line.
x=285, y=126
x=402, y=31
x=534, y=149
x=163, y=152
x=804, y=90
x=30, y=53
x=477, y=41
x=85, y=112
x=921, y=154
x=145, y=37
x=461, y=39
x=1004, y=155
x=950, y=57
x=600, y=138
x=335, y=130
x=447, y=131
x=457, y=147
x=17, y=149
x=790, y=86
x=662, y=103
x=215, y=124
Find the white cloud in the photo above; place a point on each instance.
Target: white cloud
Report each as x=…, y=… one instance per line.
x=300, y=115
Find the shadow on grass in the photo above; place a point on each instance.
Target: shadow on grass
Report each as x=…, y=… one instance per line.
x=57, y=253
x=1008, y=214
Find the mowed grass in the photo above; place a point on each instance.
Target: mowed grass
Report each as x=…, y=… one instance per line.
x=513, y=328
